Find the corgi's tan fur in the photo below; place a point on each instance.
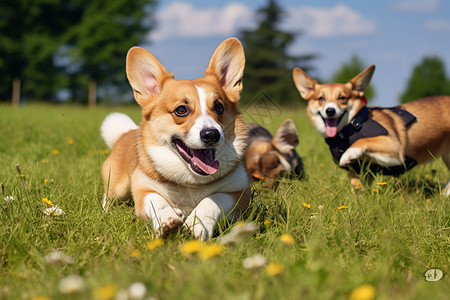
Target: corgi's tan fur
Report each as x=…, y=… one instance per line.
x=182, y=165
x=332, y=106
x=269, y=157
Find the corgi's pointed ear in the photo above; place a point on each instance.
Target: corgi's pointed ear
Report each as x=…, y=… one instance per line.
x=145, y=74
x=286, y=137
x=227, y=65
x=304, y=84
x=361, y=81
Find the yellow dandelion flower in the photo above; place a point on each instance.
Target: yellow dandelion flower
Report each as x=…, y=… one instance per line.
x=44, y=161
x=47, y=201
x=343, y=207
x=273, y=269
x=45, y=180
x=155, y=243
x=191, y=247
x=287, y=239
x=363, y=292
x=135, y=253
x=428, y=200
x=306, y=205
x=427, y=176
x=105, y=292
x=55, y=152
x=321, y=165
x=375, y=190
x=382, y=183
x=357, y=187
x=40, y=298
x=70, y=141
x=239, y=224
x=267, y=222
x=209, y=251
x=313, y=214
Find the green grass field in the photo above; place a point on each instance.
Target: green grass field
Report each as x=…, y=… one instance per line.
x=386, y=236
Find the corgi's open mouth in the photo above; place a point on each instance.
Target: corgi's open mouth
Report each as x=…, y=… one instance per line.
x=331, y=124
x=202, y=161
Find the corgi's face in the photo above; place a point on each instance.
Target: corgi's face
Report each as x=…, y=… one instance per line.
x=191, y=130
x=332, y=106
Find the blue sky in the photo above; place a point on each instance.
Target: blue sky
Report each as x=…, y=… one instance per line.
x=392, y=34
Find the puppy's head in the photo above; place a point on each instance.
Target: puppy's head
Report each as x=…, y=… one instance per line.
x=268, y=158
x=332, y=106
x=191, y=129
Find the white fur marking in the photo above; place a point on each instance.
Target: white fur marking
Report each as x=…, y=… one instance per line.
x=163, y=216
x=351, y=154
x=385, y=160
x=203, y=219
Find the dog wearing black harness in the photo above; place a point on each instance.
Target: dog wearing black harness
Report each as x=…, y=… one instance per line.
x=386, y=140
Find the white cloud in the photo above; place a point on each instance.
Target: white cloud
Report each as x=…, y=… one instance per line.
x=181, y=19
x=339, y=20
x=416, y=5
x=438, y=25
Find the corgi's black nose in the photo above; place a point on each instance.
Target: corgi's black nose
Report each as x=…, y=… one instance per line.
x=330, y=111
x=210, y=136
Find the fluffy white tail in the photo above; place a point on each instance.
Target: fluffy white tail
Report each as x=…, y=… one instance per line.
x=114, y=126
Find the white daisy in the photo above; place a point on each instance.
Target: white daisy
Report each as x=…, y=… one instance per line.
x=54, y=211
x=9, y=198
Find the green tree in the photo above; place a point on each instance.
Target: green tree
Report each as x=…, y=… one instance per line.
x=30, y=32
x=48, y=45
x=350, y=69
x=428, y=79
x=104, y=33
x=268, y=63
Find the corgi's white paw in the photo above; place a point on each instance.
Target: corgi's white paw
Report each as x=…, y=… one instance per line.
x=201, y=230
x=350, y=155
x=169, y=218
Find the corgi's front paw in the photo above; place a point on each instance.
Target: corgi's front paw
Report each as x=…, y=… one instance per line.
x=201, y=230
x=350, y=155
x=169, y=219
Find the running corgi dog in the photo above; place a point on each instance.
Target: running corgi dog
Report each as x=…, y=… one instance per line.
x=269, y=157
x=388, y=140
x=183, y=164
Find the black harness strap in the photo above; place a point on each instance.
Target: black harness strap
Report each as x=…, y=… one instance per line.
x=362, y=126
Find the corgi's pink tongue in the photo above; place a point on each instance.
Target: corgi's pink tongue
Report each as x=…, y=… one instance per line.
x=331, y=127
x=203, y=159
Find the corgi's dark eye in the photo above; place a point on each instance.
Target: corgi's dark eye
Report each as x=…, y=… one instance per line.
x=218, y=108
x=181, y=111
x=340, y=97
x=321, y=98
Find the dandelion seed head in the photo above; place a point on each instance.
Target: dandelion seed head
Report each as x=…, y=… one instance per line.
x=257, y=261
x=238, y=234
x=137, y=290
x=57, y=257
x=72, y=284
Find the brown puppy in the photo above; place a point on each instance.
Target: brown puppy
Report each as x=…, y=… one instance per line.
x=183, y=163
x=269, y=157
x=390, y=140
